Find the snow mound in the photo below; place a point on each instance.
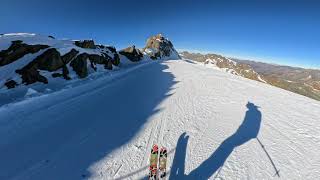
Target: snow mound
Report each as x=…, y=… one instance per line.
x=31, y=92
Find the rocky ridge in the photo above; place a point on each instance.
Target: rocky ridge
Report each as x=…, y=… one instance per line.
x=225, y=64
x=24, y=57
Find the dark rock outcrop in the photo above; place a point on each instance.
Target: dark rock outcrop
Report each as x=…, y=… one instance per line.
x=108, y=65
x=85, y=44
x=116, y=60
x=11, y=84
x=50, y=60
x=132, y=53
x=65, y=72
x=112, y=49
x=31, y=75
x=66, y=59
x=106, y=60
x=106, y=50
x=55, y=75
x=97, y=59
x=69, y=56
x=17, y=50
x=79, y=65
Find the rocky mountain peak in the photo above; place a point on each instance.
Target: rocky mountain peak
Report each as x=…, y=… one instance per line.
x=158, y=46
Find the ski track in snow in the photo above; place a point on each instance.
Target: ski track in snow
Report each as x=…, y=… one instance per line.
x=198, y=114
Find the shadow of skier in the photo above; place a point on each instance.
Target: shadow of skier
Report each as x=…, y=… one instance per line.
x=178, y=163
x=248, y=130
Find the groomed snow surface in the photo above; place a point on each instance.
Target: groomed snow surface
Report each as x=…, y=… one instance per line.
x=215, y=125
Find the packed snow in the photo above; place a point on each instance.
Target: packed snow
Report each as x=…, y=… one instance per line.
x=215, y=126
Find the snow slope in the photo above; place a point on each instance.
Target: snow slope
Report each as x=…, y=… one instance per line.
x=214, y=124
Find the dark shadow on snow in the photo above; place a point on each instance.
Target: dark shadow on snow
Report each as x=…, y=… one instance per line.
x=248, y=130
x=178, y=163
x=85, y=130
x=190, y=61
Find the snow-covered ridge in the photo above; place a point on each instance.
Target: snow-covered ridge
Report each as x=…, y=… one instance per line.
x=42, y=62
x=21, y=52
x=298, y=80
x=62, y=45
x=224, y=64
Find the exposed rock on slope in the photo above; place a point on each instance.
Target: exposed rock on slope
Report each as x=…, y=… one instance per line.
x=69, y=56
x=18, y=50
x=19, y=66
x=28, y=58
x=132, y=53
x=298, y=80
x=159, y=47
x=50, y=60
x=225, y=64
x=85, y=44
x=79, y=65
x=11, y=84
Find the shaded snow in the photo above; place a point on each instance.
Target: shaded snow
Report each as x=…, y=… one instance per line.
x=31, y=92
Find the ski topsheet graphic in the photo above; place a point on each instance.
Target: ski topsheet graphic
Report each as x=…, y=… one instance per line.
x=154, y=173
x=153, y=162
x=163, y=162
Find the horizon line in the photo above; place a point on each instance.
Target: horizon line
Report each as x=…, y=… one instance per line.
x=255, y=59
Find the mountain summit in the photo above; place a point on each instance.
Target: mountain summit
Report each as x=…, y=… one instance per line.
x=160, y=47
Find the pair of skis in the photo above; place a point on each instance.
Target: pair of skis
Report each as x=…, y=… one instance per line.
x=154, y=160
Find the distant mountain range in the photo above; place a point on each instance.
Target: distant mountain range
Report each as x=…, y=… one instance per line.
x=298, y=80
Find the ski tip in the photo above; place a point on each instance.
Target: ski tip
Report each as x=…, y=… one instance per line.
x=155, y=147
x=163, y=149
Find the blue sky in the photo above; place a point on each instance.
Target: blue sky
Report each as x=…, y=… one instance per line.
x=277, y=31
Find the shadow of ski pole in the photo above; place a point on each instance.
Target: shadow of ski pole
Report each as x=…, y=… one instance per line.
x=274, y=166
